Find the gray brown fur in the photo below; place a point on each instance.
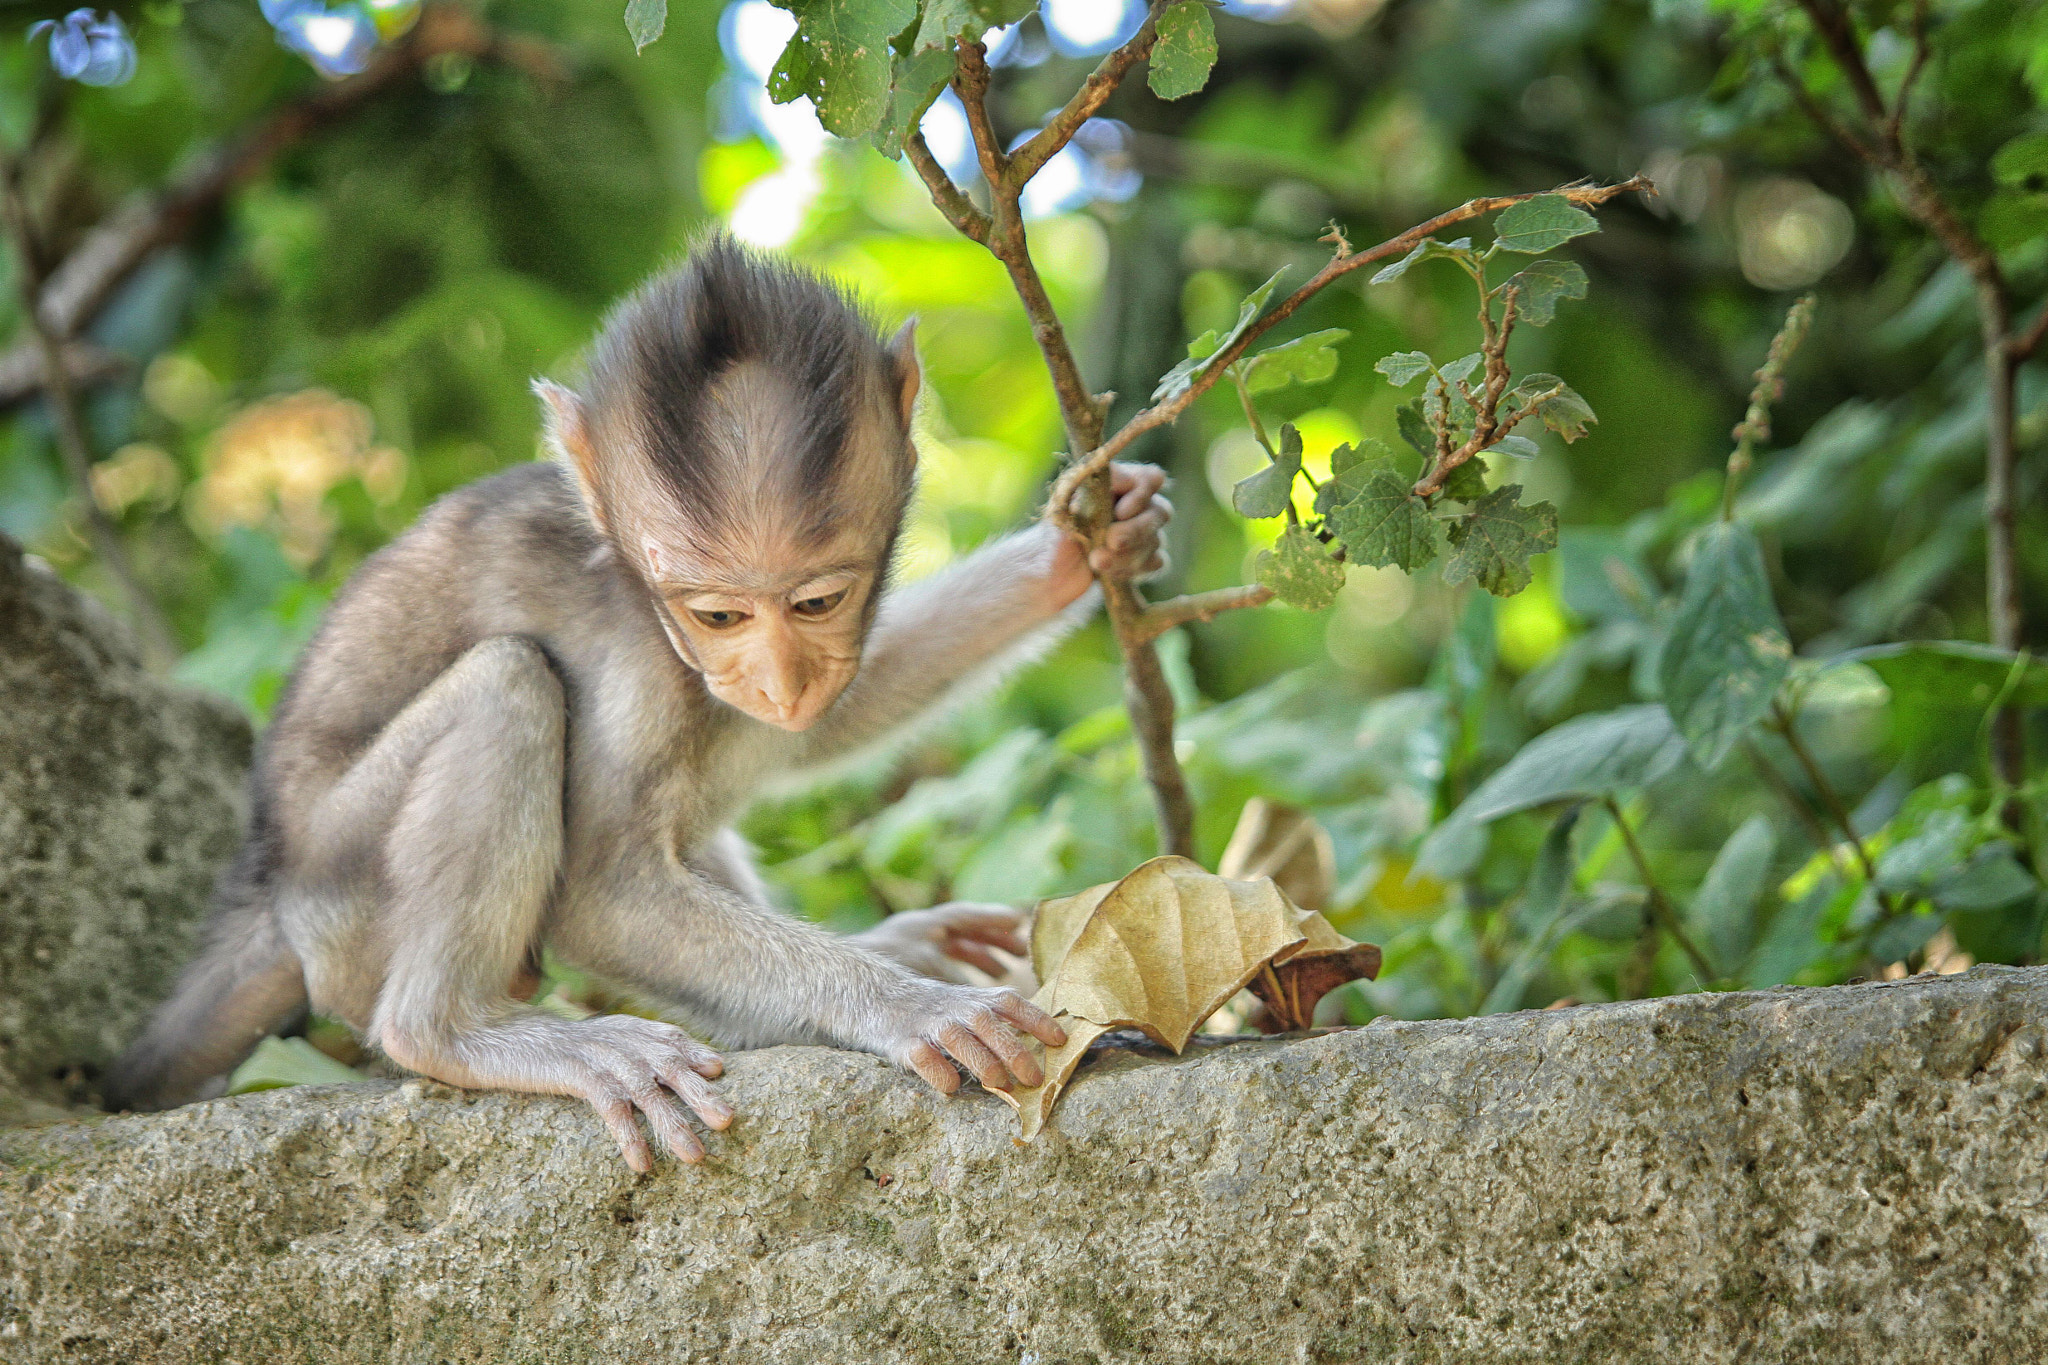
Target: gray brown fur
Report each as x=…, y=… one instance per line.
x=491, y=746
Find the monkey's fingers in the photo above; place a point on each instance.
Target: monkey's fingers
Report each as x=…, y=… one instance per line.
x=668, y=1120
x=1133, y=484
x=997, y=1034
x=615, y=1107
x=932, y=1068
x=1031, y=1019
x=971, y=1048
x=963, y=949
x=699, y=1094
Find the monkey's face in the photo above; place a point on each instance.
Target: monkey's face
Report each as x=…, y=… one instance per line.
x=779, y=644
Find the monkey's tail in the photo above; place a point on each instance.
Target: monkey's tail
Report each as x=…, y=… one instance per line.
x=245, y=983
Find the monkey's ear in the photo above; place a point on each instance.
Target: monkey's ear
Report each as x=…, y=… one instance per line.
x=568, y=437
x=903, y=350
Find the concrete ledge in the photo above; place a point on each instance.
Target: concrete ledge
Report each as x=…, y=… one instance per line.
x=1854, y=1174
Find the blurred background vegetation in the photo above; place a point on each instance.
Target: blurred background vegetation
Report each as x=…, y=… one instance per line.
x=337, y=323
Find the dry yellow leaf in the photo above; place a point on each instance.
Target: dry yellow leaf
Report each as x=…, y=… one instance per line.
x=1159, y=951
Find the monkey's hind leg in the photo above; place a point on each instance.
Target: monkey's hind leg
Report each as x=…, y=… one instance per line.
x=470, y=778
x=244, y=984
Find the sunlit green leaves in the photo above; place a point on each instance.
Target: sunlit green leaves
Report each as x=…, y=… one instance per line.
x=1955, y=675
x=1184, y=52
x=1459, y=370
x=1177, y=379
x=1541, y=224
x=1305, y=360
x=1300, y=571
x=1539, y=287
x=1403, y=367
x=1382, y=523
x=1493, y=543
x=842, y=59
x=946, y=20
x=1726, y=651
x=1556, y=404
x=914, y=82
x=645, y=19
x=1428, y=249
x=1724, y=908
x=1267, y=492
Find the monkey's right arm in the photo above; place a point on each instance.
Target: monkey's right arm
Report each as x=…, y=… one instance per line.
x=758, y=977
x=985, y=613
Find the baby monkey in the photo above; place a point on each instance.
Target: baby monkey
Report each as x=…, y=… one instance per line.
x=530, y=720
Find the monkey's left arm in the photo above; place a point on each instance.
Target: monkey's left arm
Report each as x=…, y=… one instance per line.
x=992, y=611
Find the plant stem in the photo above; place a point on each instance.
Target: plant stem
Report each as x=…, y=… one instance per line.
x=153, y=633
x=1770, y=386
x=1660, y=904
x=1884, y=148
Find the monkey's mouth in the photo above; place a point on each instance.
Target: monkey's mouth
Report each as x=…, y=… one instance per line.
x=795, y=717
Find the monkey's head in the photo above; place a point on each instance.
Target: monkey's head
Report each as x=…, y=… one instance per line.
x=744, y=444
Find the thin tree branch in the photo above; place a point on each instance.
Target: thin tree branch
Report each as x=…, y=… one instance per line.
x=950, y=200
x=1161, y=617
x=2022, y=347
x=1168, y=410
x=970, y=83
x=153, y=632
x=1837, y=29
x=76, y=289
x=1895, y=125
x=1102, y=82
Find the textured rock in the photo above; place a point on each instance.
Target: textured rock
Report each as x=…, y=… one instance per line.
x=1849, y=1175
x=119, y=796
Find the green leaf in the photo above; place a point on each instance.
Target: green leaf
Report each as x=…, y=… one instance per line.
x=1991, y=880
x=914, y=82
x=1347, y=457
x=1382, y=523
x=1542, y=284
x=1541, y=224
x=645, y=19
x=2023, y=162
x=2013, y=218
x=1414, y=427
x=1726, y=651
x=1954, y=675
x=841, y=57
x=1724, y=908
x=1403, y=368
x=1467, y=482
x=1588, y=757
x=1299, y=571
x=1184, y=52
x=1177, y=380
x=280, y=1062
x=1561, y=409
x=1428, y=249
x=1267, y=493
x=1351, y=469
x=1493, y=543
x=1521, y=447
x=946, y=20
x=1304, y=360
x=1461, y=368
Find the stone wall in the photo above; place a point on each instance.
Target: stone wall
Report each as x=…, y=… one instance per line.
x=1852, y=1175
x=119, y=797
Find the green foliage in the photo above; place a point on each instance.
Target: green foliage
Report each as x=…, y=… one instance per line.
x=841, y=59
x=1540, y=287
x=1185, y=50
x=1542, y=224
x=645, y=19
x=1726, y=652
x=1493, y=543
x=1305, y=360
x=1177, y=380
x=1299, y=572
x=1382, y=522
x=1269, y=492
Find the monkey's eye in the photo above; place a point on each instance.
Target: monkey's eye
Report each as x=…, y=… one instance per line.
x=719, y=620
x=819, y=606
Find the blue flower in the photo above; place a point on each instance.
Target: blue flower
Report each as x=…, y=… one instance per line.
x=338, y=42
x=89, y=50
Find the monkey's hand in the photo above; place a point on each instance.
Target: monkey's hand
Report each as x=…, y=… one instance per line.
x=935, y=942
x=620, y=1063
x=976, y=1027
x=1131, y=548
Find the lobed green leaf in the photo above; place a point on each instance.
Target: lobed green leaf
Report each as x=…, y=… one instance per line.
x=842, y=59
x=1299, y=571
x=1428, y=249
x=1267, y=493
x=1305, y=360
x=1541, y=284
x=1177, y=380
x=1493, y=543
x=1403, y=368
x=1560, y=408
x=1380, y=521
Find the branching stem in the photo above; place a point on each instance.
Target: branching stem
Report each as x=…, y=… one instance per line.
x=1660, y=904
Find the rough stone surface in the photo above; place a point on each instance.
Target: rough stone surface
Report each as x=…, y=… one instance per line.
x=119, y=797
x=1853, y=1175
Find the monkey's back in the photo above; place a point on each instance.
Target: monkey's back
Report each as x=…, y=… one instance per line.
x=512, y=554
